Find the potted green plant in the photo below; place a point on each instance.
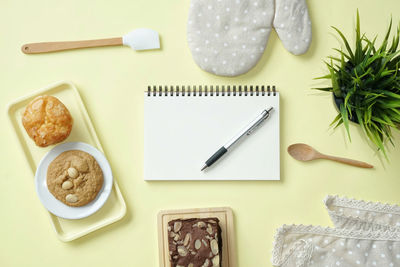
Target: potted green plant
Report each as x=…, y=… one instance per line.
x=365, y=83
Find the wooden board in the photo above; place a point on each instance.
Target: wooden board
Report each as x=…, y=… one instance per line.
x=225, y=215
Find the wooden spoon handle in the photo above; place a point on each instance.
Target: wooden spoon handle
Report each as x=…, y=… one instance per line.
x=36, y=48
x=352, y=162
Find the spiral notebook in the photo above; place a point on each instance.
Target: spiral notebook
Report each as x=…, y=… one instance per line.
x=184, y=126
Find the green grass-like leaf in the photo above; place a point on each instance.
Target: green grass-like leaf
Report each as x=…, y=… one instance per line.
x=366, y=78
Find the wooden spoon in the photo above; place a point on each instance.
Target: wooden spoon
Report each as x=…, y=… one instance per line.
x=305, y=152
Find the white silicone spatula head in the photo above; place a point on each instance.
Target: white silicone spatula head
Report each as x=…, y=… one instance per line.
x=142, y=39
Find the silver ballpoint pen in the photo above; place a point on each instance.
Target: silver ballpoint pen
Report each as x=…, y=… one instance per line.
x=245, y=131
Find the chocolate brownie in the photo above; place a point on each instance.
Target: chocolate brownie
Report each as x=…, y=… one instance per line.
x=195, y=242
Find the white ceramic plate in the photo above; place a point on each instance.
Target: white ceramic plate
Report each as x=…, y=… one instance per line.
x=57, y=207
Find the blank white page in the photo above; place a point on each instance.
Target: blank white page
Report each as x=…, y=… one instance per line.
x=182, y=132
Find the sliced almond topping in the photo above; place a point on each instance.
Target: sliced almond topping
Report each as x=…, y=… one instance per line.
x=197, y=244
x=186, y=241
x=177, y=226
x=206, y=263
x=182, y=251
x=201, y=225
x=215, y=261
x=71, y=198
x=72, y=172
x=209, y=229
x=67, y=185
x=214, y=246
x=176, y=237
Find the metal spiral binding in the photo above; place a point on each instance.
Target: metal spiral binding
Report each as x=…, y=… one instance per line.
x=224, y=90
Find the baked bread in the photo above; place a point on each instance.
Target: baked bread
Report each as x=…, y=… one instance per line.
x=74, y=177
x=47, y=121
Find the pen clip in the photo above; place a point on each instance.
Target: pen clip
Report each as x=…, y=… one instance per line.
x=265, y=116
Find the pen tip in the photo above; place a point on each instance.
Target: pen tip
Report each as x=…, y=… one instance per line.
x=204, y=167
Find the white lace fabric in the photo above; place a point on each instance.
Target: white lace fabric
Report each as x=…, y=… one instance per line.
x=365, y=234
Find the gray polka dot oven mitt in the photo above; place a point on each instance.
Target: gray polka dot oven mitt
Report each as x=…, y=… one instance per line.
x=366, y=234
x=228, y=37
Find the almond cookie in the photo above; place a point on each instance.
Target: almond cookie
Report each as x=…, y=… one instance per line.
x=75, y=178
x=47, y=121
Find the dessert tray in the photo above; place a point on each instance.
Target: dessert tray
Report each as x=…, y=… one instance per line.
x=225, y=216
x=114, y=208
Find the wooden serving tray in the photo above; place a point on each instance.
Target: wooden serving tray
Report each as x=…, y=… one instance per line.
x=82, y=131
x=225, y=216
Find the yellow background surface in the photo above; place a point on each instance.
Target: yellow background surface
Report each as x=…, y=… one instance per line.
x=111, y=82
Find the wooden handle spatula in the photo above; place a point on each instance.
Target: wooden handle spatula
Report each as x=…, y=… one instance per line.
x=139, y=39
